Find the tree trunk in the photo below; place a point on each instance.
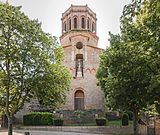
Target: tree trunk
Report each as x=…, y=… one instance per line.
x=135, y=122
x=10, y=122
x=9, y=117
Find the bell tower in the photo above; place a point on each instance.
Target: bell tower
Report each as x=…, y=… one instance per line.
x=79, y=41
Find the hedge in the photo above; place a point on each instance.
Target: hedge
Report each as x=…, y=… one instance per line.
x=101, y=121
x=38, y=118
x=130, y=114
x=125, y=119
x=58, y=122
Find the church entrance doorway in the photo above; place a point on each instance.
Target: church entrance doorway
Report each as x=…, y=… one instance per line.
x=79, y=100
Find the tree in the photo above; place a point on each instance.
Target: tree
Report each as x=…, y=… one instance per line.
x=28, y=57
x=129, y=70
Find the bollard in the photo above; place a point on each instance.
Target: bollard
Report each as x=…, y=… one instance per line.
x=26, y=133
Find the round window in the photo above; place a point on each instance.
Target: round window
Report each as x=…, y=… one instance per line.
x=79, y=45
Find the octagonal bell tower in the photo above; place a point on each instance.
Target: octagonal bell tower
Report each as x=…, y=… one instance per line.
x=79, y=41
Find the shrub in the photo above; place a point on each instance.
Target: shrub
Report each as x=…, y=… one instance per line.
x=80, y=113
x=101, y=121
x=158, y=108
x=112, y=115
x=125, y=119
x=130, y=114
x=38, y=118
x=80, y=117
x=58, y=122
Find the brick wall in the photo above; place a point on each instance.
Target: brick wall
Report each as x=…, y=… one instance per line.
x=93, y=96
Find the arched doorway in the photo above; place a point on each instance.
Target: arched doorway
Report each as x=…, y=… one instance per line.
x=79, y=100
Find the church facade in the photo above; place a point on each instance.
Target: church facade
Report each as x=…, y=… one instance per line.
x=79, y=40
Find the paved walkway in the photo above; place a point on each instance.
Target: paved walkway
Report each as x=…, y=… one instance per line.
x=21, y=132
x=81, y=129
x=70, y=130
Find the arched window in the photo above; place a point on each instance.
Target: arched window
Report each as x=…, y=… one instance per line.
x=79, y=100
x=75, y=23
x=64, y=26
x=83, y=23
x=69, y=24
x=93, y=27
x=88, y=23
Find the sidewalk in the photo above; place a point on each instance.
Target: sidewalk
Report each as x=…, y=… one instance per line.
x=82, y=129
x=6, y=133
x=21, y=132
x=72, y=130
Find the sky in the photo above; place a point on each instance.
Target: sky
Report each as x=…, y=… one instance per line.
x=49, y=13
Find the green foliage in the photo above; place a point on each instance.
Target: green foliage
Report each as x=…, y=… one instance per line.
x=125, y=119
x=100, y=121
x=158, y=108
x=51, y=87
x=152, y=110
x=130, y=115
x=58, y=122
x=30, y=63
x=112, y=116
x=38, y=118
x=80, y=113
x=129, y=72
x=81, y=116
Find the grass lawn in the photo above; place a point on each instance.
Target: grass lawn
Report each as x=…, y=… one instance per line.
x=81, y=124
x=120, y=134
x=116, y=122
x=108, y=123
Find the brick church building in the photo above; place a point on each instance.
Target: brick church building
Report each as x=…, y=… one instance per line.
x=79, y=40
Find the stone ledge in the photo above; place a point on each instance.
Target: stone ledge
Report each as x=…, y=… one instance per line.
x=83, y=129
